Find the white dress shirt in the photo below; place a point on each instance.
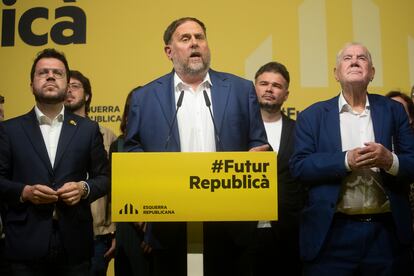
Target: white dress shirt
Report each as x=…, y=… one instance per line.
x=51, y=129
x=195, y=125
x=362, y=191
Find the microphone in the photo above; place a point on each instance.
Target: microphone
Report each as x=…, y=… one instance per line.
x=216, y=134
x=179, y=103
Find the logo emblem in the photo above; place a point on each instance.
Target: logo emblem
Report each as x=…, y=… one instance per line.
x=128, y=210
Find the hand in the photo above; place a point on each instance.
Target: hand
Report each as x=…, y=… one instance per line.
x=146, y=247
x=111, y=251
x=375, y=155
x=370, y=156
x=140, y=226
x=264, y=147
x=39, y=194
x=71, y=192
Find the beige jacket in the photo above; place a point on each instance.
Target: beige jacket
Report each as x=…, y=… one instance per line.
x=101, y=208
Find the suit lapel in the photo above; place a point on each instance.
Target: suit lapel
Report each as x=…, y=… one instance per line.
x=219, y=93
x=166, y=98
x=69, y=128
x=377, y=114
x=285, y=135
x=30, y=125
x=332, y=124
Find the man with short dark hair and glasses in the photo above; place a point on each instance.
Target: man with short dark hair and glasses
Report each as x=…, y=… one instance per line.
x=78, y=100
x=52, y=166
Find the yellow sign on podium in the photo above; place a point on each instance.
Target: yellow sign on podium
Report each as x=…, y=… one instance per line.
x=206, y=186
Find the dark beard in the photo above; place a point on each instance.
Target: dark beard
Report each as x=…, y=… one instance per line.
x=271, y=108
x=76, y=106
x=49, y=100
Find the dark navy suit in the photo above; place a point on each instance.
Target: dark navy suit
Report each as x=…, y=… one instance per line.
x=239, y=127
x=24, y=161
x=319, y=160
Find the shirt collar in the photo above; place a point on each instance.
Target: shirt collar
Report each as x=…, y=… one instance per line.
x=180, y=85
x=43, y=119
x=343, y=105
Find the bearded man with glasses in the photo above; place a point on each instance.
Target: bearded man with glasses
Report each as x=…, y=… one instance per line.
x=78, y=100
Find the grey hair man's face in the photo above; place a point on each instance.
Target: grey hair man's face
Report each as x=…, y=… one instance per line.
x=188, y=49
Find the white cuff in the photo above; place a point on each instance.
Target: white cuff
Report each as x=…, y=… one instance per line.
x=395, y=165
x=348, y=168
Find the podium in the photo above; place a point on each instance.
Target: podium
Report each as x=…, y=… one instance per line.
x=194, y=187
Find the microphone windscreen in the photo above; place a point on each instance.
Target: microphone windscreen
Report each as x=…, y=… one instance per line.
x=180, y=99
x=208, y=103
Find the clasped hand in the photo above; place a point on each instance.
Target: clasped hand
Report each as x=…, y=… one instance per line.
x=370, y=156
x=70, y=193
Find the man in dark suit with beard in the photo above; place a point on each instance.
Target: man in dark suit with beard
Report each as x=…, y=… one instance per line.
x=52, y=166
x=275, y=245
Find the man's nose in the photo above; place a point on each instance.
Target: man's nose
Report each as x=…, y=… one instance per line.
x=269, y=87
x=194, y=42
x=50, y=75
x=354, y=60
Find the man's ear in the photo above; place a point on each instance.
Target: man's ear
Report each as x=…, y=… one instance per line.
x=336, y=77
x=167, y=50
x=286, y=96
x=372, y=73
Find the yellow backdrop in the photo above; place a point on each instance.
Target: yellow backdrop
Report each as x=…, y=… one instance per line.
x=123, y=46
x=119, y=43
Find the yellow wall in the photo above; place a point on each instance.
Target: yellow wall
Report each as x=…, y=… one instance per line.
x=124, y=45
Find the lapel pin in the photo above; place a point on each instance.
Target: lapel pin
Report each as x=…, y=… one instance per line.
x=72, y=122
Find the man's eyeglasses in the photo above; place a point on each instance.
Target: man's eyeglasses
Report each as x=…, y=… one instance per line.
x=44, y=73
x=75, y=86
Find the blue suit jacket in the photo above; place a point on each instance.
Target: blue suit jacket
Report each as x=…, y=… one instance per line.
x=24, y=161
x=237, y=116
x=319, y=160
x=236, y=113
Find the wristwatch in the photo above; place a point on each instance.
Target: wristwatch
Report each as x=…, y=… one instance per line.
x=85, y=189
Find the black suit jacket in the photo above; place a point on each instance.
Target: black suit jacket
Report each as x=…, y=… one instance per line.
x=290, y=193
x=24, y=161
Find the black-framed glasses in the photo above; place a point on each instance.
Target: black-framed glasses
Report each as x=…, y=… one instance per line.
x=44, y=73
